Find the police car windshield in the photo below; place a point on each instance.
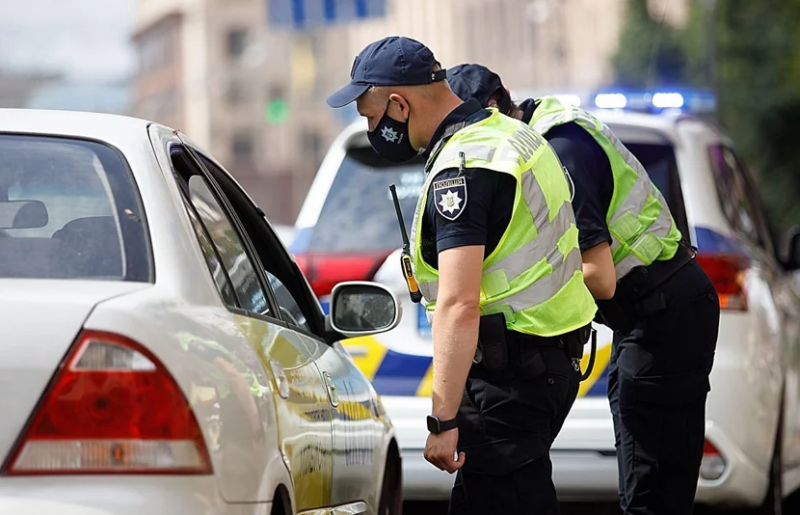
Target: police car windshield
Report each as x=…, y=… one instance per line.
x=358, y=214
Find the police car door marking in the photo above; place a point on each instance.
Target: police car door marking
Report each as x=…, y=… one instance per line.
x=450, y=197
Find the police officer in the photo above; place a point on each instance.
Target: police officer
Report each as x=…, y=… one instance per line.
x=664, y=310
x=496, y=257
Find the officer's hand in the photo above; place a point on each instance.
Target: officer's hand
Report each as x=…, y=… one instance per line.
x=440, y=449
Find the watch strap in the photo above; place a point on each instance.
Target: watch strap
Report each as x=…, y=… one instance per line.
x=436, y=425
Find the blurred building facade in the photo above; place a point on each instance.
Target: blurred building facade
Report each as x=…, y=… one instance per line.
x=252, y=92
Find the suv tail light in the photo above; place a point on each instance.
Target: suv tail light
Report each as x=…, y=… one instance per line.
x=727, y=274
x=112, y=407
x=326, y=271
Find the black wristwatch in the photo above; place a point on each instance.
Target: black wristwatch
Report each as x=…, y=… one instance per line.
x=437, y=426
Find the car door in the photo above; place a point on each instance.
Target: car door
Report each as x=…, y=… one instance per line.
x=303, y=411
x=769, y=297
x=358, y=434
x=787, y=303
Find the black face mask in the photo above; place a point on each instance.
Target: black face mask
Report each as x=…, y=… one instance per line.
x=390, y=139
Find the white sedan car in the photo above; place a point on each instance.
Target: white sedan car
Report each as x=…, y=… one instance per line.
x=160, y=350
x=752, y=451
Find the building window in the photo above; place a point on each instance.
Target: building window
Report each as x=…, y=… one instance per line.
x=311, y=143
x=236, y=43
x=242, y=147
x=237, y=92
x=156, y=49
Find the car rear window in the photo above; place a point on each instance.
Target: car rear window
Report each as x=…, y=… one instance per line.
x=358, y=214
x=69, y=209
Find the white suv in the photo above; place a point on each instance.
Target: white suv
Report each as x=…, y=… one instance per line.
x=752, y=452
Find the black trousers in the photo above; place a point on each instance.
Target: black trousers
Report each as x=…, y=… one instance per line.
x=658, y=384
x=506, y=429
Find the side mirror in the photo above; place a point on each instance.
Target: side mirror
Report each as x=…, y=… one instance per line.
x=790, y=251
x=363, y=308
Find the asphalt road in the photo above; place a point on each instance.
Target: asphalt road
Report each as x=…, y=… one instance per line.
x=791, y=507
x=432, y=508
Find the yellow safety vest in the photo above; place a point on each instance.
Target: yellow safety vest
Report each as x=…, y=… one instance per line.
x=641, y=225
x=534, y=276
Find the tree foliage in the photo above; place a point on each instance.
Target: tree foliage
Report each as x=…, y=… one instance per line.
x=749, y=52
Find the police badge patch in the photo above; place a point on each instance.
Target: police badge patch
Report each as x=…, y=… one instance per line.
x=450, y=197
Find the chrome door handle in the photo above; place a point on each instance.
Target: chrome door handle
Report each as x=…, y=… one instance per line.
x=333, y=395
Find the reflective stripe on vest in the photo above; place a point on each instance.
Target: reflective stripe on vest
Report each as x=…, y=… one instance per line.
x=640, y=223
x=534, y=262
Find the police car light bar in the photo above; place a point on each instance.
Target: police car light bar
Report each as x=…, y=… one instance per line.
x=673, y=100
x=611, y=101
x=667, y=100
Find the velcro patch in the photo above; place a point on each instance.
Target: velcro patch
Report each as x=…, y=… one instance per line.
x=450, y=197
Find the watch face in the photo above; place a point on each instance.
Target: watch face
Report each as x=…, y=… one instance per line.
x=433, y=424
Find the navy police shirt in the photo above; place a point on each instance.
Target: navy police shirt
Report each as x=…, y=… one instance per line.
x=590, y=170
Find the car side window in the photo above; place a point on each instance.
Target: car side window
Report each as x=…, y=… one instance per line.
x=757, y=206
x=225, y=254
x=213, y=261
x=735, y=197
x=274, y=261
x=290, y=309
x=229, y=245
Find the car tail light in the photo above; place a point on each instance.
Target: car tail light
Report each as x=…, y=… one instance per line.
x=727, y=273
x=713, y=465
x=112, y=407
x=325, y=271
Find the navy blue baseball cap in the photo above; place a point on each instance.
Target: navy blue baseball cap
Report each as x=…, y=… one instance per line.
x=392, y=61
x=476, y=81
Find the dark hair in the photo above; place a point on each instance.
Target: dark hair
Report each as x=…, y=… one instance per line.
x=504, y=102
x=503, y=99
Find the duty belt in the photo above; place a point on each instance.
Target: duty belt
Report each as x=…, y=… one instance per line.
x=504, y=354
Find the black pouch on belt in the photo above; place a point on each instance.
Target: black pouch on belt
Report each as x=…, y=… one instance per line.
x=575, y=340
x=493, y=345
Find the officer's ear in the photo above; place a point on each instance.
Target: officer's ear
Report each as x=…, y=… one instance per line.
x=401, y=107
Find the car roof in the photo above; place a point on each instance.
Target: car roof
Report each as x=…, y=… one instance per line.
x=110, y=128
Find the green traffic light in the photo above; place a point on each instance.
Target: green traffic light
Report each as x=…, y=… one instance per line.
x=276, y=111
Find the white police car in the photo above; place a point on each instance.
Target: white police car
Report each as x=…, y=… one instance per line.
x=347, y=230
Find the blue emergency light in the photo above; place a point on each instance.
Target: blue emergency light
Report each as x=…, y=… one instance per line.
x=682, y=100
